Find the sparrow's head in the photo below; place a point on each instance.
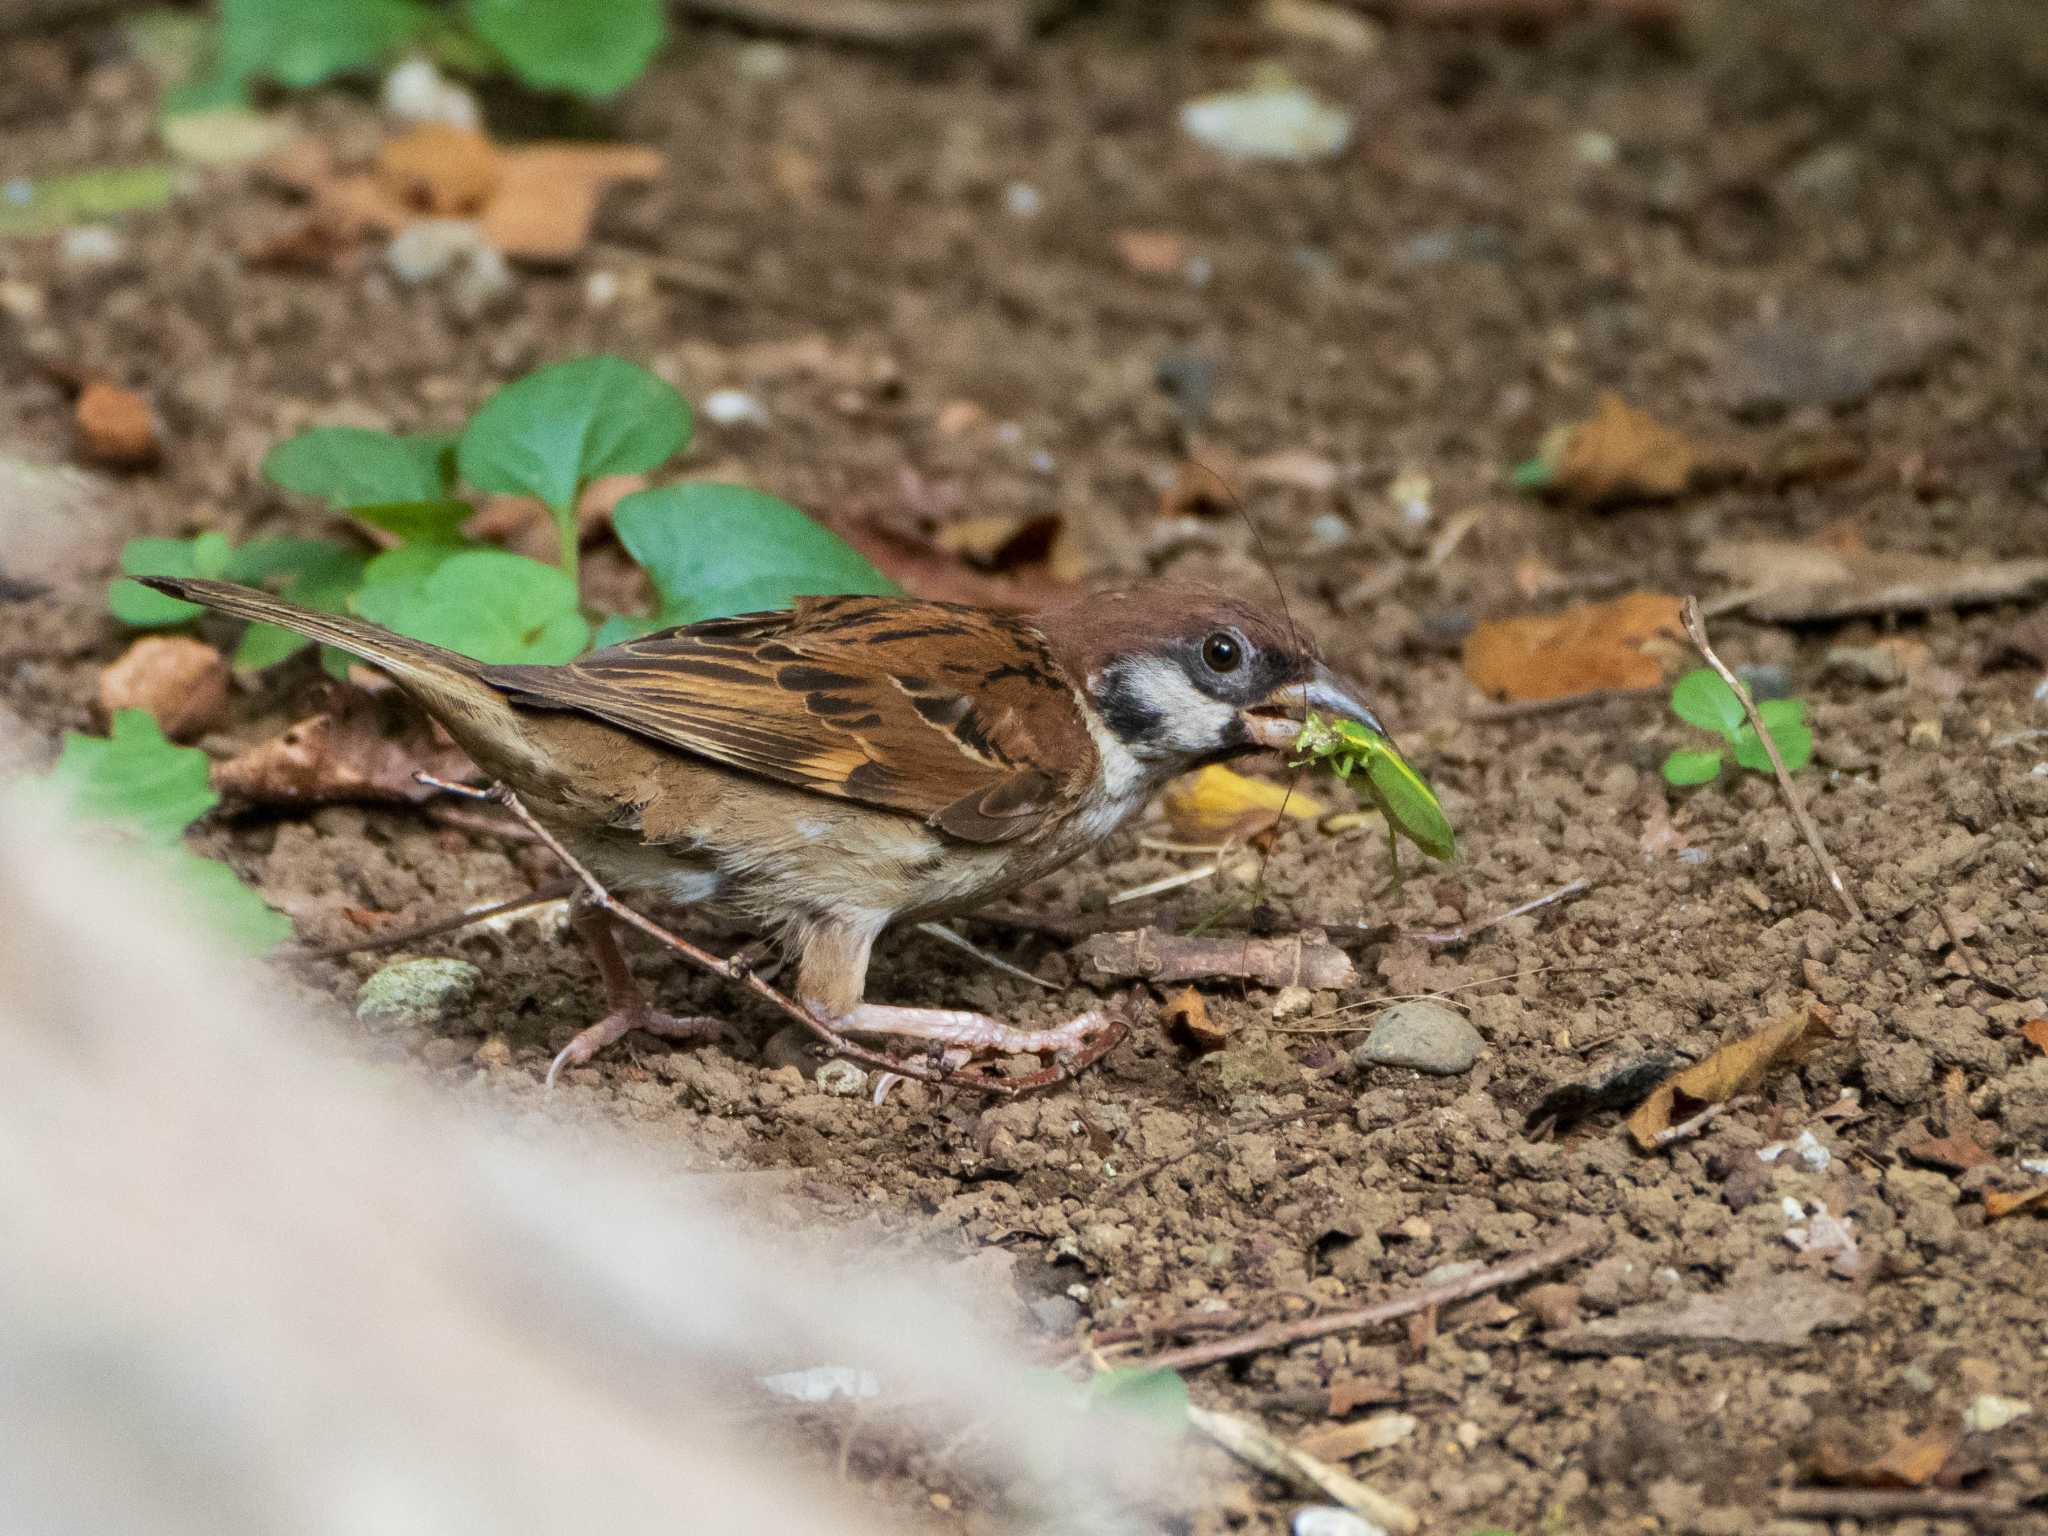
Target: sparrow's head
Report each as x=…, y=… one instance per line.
x=1183, y=675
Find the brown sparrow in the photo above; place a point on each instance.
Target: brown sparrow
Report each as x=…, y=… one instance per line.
x=825, y=772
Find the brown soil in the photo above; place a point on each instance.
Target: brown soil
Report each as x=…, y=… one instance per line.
x=1615, y=209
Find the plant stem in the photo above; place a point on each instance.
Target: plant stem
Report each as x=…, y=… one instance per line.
x=572, y=541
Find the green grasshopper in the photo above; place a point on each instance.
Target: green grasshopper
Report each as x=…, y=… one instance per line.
x=1410, y=805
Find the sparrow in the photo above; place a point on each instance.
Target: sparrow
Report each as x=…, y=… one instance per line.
x=821, y=773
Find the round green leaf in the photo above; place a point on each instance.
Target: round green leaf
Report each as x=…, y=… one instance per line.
x=303, y=42
x=1159, y=1395
x=554, y=431
x=565, y=45
x=133, y=777
x=1795, y=745
x=207, y=555
x=355, y=468
x=1686, y=768
x=418, y=522
x=221, y=901
x=1700, y=698
x=713, y=550
x=496, y=607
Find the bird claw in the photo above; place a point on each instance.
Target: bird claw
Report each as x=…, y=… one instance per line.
x=959, y=1044
x=615, y=1026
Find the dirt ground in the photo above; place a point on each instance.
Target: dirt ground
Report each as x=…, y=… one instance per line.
x=1518, y=225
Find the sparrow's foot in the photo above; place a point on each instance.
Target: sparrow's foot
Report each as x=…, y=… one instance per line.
x=954, y=1037
x=614, y=1027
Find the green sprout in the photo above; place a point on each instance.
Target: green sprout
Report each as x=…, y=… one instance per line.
x=708, y=549
x=1701, y=698
x=1361, y=756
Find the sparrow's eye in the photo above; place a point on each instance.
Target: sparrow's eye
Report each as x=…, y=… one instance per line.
x=1222, y=653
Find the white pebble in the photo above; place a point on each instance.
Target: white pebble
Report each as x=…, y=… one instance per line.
x=91, y=245
x=601, y=289
x=732, y=408
x=1329, y=1520
x=823, y=1383
x=426, y=248
x=417, y=92
x=1021, y=200
x=842, y=1079
x=1988, y=1411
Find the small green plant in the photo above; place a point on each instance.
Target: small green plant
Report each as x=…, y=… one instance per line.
x=1700, y=698
x=708, y=550
x=148, y=791
x=1157, y=1394
x=594, y=51
x=1353, y=751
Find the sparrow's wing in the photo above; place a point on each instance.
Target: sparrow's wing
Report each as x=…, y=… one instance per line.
x=944, y=712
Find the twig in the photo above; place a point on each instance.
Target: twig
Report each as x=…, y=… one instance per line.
x=1146, y=954
x=1700, y=1121
x=1696, y=631
x=746, y=976
x=1131, y=1181
x=1256, y=1446
x=996, y=24
x=946, y=935
x=1283, y=1335
x=1465, y=931
x=1164, y=884
x=1893, y=1503
x=554, y=890
x=1522, y=709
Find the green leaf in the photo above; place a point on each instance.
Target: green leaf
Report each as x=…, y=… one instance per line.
x=1159, y=1395
x=564, y=45
x=418, y=522
x=262, y=561
x=1700, y=698
x=134, y=778
x=1532, y=474
x=354, y=468
x=50, y=203
x=303, y=42
x=216, y=893
x=621, y=627
x=713, y=550
x=410, y=564
x=1684, y=768
x=554, y=431
x=1779, y=713
x=489, y=604
x=135, y=604
x=1795, y=745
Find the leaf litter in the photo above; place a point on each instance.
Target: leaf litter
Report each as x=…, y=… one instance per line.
x=1739, y=1067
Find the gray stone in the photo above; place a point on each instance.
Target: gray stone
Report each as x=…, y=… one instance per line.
x=1425, y=1036
x=842, y=1079
x=417, y=993
x=1877, y=665
x=1058, y=1315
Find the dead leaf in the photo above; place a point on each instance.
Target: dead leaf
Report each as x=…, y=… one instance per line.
x=798, y=175
x=355, y=751
x=998, y=542
x=1218, y=804
x=1186, y=1016
x=1617, y=644
x=1361, y=1437
x=440, y=169
x=546, y=201
x=1150, y=252
x=1736, y=1068
x=116, y=427
x=2036, y=1032
x=1780, y=1311
x=1349, y=1393
x=181, y=681
x=1910, y=1461
x=1788, y=582
x=1294, y=469
x=1620, y=454
x=1202, y=486
x=1999, y=1202
x=1958, y=1147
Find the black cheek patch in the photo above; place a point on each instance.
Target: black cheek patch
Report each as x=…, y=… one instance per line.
x=1126, y=714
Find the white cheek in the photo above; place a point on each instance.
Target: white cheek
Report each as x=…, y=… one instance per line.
x=1191, y=723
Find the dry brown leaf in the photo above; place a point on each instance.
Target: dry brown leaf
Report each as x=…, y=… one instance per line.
x=1349, y=1393
x=1999, y=1202
x=440, y=169
x=798, y=175
x=545, y=205
x=1215, y=803
x=1789, y=582
x=1202, y=486
x=1150, y=252
x=181, y=681
x=1621, y=454
x=1958, y=1147
x=1294, y=469
x=1910, y=1461
x=355, y=751
x=1617, y=644
x=1736, y=1068
x=1002, y=542
x=1361, y=1437
x=116, y=427
x=1187, y=1021
x=2036, y=1032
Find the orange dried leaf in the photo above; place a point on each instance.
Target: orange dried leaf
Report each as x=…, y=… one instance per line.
x=351, y=753
x=1736, y=1068
x=1187, y=1021
x=181, y=681
x=1594, y=645
x=545, y=205
x=2036, y=1032
x=1150, y=252
x=1622, y=454
x=1999, y=1202
x=1216, y=803
x=1910, y=1461
x=115, y=426
x=440, y=169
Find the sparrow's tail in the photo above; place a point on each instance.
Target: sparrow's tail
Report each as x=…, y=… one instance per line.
x=447, y=684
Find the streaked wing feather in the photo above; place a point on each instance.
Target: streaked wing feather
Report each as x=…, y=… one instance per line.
x=842, y=697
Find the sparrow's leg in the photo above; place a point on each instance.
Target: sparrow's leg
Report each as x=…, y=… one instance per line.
x=627, y=1005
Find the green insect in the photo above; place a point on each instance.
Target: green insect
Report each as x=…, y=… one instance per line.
x=1411, y=807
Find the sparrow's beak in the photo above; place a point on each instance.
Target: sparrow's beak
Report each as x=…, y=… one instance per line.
x=1275, y=721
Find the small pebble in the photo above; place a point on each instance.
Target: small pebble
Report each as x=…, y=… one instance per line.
x=1329, y=1520
x=485, y=278
x=1292, y=1002
x=1271, y=121
x=1877, y=665
x=1924, y=735
x=417, y=993
x=1766, y=680
x=1021, y=200
x=842, y=1079
x=426, y=248
x=1057, y=1315
x=417, y=92
x=763, y=61
x=734, y=407
x=1424, y=1036
x=91, y=245
x=1988, y=1411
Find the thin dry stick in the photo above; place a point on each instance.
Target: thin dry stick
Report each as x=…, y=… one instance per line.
x=1256, y=1446
x=1894, y=1503
x=1700, y=1121
x=1522, y=709
x=554, y=890
x=1696, y=631
x=1131, y=1181
x=946, y=935
x=1464, y=931
x=1282, y=1335
x=745, y=975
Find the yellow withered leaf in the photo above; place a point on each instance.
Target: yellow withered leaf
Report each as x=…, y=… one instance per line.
x=1215, y=803
x=1736, y=1068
